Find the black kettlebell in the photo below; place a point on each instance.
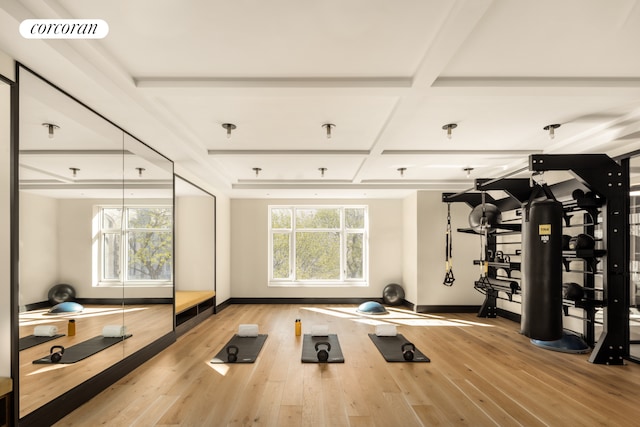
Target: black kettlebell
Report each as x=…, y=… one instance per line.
x=232, y=353
x=408, y=350
x=55, y=354
x=323, y=353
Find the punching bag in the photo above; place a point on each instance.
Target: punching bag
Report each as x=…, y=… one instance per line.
x=542, y=271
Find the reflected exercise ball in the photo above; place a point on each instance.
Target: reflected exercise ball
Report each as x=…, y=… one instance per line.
x=61, y=293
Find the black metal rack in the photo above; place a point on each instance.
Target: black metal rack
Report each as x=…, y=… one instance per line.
x=608, y=180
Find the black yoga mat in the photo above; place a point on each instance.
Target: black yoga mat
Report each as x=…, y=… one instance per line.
x=391, y=349
x=310, y=355
x=83, y=350
x=248, y=349
x=33, y=340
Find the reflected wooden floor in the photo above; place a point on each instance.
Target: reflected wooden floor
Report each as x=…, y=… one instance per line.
x=483, y=373
x=41, y=383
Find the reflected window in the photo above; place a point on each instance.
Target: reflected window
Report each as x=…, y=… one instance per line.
x=147, y=257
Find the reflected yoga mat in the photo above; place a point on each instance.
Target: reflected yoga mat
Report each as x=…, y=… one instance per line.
x=391, y=349
x=248, y=349
x=33, y=340
x=83, y=350
x=310, y=355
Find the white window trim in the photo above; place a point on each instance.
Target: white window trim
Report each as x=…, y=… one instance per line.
x=339, y=283
x=118, y=283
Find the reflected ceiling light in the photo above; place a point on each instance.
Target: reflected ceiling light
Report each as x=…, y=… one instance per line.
x=74, y=171
x=552, y=129
x=229, y=127
x=468, y=171
x=51, y=128
x=402, y=170
x=322, y=171
x=257, y=171
x=140, y=170
x=449, y=127
x=328, y=127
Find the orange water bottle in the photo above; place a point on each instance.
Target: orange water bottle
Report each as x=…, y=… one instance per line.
x=298, y=327
x=71, y=328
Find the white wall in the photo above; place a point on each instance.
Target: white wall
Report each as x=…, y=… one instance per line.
x=195, y=243
x=410, y=247
x=249, y=250
x=39, y=238
x=223, y=248
x=6, y=69
x=424, y=226
x=432, y=221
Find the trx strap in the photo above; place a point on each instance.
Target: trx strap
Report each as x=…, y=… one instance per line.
x=448, y=251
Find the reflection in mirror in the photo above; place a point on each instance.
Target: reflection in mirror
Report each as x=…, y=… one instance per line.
x=634, y=243
x=73, y=203
x=147, y=236
x=195, y=254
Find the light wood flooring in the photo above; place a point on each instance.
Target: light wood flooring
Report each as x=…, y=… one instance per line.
x=482, y=373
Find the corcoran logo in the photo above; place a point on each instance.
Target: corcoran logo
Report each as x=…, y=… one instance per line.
x=64, y=29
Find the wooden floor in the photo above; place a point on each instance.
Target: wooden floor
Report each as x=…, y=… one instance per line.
x=482, y=373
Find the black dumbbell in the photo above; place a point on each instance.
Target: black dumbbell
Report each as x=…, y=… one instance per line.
x=232, y=353
x=408, y=350
x=323, y=353
x=55, y=353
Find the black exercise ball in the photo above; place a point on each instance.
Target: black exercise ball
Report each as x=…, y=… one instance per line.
x=61, y=293
x=572, y=291
x=485, y=216
x=582, y=241
x=565, y=242
x=393, y=294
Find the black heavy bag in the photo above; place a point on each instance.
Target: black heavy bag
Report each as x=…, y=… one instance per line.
x=542, y=271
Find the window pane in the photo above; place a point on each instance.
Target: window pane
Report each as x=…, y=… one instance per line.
x=154, y=218
x=111, y=256
x=149, y=255
x=355, y=256
x=281, y=218
x=318, y=218
x=318, y=256
x=354, y=217
x=281, y=256
x=111, y=218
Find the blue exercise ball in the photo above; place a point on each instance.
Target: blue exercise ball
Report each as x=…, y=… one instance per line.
x=66, y=307
x=371, y=307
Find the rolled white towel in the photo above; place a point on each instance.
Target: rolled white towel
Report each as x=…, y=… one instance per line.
x=386, y=330
x=112, y=331
x=45, y=330
x=248, y=330
x=320, y=330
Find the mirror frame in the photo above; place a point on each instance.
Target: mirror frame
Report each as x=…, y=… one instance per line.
x=65, y=403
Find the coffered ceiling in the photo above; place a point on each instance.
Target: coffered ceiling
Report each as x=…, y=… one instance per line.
x=388, y=74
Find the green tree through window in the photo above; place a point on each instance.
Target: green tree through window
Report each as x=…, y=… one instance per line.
x=317, y=244
x=147, y=232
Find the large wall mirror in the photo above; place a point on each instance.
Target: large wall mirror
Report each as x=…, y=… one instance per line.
x=195, y=218
x=96, y=213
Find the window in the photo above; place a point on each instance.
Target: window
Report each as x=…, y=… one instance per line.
x=318, y=245
x=148, y=255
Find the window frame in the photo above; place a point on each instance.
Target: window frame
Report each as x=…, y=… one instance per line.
x=123, y=232
x=343, y=281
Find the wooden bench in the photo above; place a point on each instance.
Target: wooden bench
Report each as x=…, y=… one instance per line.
x=192, y=307
x=188, y=299
x=6, y=387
